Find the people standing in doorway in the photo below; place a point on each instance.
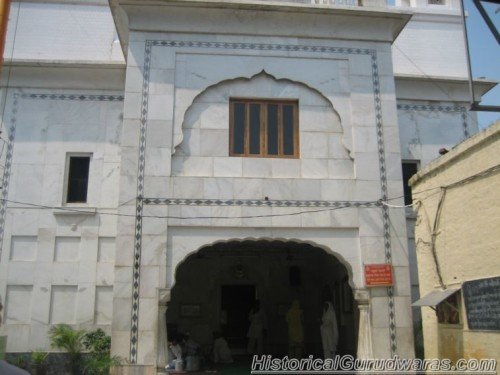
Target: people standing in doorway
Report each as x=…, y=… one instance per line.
x=257, y=330
x=294, y=319
x=329, y=331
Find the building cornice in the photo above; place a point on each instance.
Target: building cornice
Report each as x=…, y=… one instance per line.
x=443, y=88
x=95, y=64
x=81, y=75
x=376, y=24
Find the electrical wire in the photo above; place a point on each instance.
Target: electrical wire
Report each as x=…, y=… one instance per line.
x=378, y=203
x=396, y=206
x=86, y=211
x=483, y=173
x=367, y=204
x=434, y=229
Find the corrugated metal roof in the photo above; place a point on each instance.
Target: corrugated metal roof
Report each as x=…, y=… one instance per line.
x=435, y=297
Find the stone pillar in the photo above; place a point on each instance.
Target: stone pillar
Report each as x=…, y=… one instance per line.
x=162, y=355
x=365, y=348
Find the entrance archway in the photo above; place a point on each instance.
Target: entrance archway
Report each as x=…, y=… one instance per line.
x=216, y=286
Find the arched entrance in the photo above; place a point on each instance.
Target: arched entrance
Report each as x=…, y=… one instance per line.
x=216, y=286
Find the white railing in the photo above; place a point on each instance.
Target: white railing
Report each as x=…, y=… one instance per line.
x=350, y=3
x=336, y=2
x=326, y=2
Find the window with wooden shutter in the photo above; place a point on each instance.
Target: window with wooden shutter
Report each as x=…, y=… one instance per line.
x=263, y=128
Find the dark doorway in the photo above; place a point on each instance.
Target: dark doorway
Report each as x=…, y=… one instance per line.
x=236, y=302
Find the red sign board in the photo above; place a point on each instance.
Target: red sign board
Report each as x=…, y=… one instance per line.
x=378, y=274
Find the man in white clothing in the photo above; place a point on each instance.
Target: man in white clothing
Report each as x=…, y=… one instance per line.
x=329, y=331
x=257, y=330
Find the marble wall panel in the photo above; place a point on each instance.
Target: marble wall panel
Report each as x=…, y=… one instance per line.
x=314, y=168
x=24, y=222
x=21, y=273
x=104, y=273
x=228, y=167
x=103, y=305
x=367, y=166
x=63, y=304
x=23, y=248
x=122, y=282
x=67, y=249
x=65, y=273
x=380, y=320
x=19, y=337
x=106, y=249
x=218, y=188
x=18, y=304
x=285, y=168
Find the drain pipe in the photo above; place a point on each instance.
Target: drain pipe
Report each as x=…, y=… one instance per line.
x=473, y=102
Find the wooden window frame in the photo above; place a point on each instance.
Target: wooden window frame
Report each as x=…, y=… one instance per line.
x=263, y=127
x=448, y=311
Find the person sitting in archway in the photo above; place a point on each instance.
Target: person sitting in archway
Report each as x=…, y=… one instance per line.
x=174, y=352
x=329, y=331
x=257, y=329
x=221, y=351
x=294, y=319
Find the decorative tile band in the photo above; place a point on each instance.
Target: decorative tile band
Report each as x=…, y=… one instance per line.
x=74, y=97
x=260, y=47
x=142, y=148
x=12, y=134
x=7, y=168
x=440, y=108
x=385, y=210
x=256, y=203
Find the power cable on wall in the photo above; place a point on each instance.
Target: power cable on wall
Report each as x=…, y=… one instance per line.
x=434, y=229
x=365, y=204
x=484, y=173
x=368, y=204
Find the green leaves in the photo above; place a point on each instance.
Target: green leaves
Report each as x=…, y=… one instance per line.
x=66, y=338
x=98, y=361
x=97, y=342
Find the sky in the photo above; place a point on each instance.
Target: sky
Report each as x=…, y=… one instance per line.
x=485, y=54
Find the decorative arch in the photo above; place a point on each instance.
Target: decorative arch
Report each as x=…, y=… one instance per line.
x=326, y=249
x=222, y=91
x=201, y=276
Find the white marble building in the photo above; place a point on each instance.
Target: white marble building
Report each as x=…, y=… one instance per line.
x=174, y=215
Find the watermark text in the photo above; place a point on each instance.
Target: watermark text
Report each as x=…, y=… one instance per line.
x=347, y=364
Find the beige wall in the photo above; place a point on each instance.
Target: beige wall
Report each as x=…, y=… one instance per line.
x=467, y=240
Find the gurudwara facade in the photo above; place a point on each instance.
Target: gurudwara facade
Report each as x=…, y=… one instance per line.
x=166, y=163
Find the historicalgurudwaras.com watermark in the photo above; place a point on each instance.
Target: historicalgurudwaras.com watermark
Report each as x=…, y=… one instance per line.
x=347, y=364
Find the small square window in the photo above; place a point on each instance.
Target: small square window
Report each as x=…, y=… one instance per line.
x=409, y=169
x=264, y=128
x=448, y=311
x=78, y=178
